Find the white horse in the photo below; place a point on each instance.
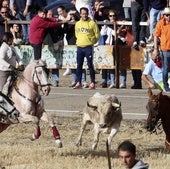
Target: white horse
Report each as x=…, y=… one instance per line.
x=28, y=101
x=8, y=113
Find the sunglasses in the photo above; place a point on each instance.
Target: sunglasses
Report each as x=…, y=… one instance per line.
x=112, y=15
x=3, y=12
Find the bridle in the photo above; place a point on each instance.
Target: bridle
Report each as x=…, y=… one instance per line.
x=36, y=74
x=153, y=114
x=8, y=113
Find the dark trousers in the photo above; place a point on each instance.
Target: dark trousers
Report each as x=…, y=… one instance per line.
x=138, y=14
x=83, y=52
x=136, y=74
x=37, y=48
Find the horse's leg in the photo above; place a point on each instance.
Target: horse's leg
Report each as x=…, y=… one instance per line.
x=56, y=134
x=37, y=132
x=29, y=118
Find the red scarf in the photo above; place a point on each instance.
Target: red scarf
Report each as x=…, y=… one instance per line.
x=158, y=62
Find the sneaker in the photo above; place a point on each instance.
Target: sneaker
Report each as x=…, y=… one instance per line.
x=150, y=39
x=72, y=84
x=92, y=86
x=135, y=45
x=67, y=72
x=112, y=86
x=77, y=86
x=85, y=85
x=142, y=43
x=55, y=84
x=122, y=86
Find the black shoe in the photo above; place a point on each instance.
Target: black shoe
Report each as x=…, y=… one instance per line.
x=136, y=87
x=104, y=85
x=142, y=44
x=135, y=45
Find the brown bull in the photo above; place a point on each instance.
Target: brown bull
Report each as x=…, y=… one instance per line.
x=104, y=111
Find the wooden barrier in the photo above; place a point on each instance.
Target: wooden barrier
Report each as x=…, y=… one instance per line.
x=104, y=57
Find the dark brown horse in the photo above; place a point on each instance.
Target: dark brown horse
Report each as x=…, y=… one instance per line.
x=159, y=109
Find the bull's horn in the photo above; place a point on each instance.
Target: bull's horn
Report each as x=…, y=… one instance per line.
x=91, y=106
x=116, y=105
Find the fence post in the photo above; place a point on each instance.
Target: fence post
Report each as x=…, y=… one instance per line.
x=116, y=57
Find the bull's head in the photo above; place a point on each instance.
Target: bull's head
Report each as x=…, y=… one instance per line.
x=105, y=109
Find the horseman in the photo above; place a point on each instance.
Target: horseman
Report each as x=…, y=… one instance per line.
x=9, y=60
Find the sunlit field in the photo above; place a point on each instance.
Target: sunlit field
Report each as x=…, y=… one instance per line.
x=19, y=152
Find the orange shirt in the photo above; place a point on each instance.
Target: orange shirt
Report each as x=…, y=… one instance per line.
x=162, y=30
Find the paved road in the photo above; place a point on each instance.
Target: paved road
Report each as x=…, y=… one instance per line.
x=65, y=101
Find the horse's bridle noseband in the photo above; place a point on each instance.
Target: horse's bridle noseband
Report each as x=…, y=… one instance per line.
x=36, y=74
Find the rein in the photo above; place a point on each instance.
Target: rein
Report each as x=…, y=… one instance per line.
x=32, y=101
x=10, y=102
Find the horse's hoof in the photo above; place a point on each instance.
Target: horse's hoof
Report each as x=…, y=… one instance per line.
x=59, y=143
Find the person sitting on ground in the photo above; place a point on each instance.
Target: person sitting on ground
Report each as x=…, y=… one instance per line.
x=127, y=155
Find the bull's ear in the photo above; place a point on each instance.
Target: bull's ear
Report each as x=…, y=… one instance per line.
x=116, y=105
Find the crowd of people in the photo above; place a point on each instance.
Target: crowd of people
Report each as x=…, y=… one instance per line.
x=50, y=29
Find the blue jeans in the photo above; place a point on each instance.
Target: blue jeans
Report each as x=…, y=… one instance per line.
x=83, y=52
x=55, y=75
x=105, y=76
x=155, y=16
x=123, y=74
x=25, y=27
x=74, y=76
x=166, y=67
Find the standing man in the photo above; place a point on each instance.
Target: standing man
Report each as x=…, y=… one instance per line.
x=87, y=34
x=127, y=155
x=38, y=26
x=162, y=31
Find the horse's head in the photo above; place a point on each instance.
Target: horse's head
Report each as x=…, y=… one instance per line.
x=153, y=110
x=39, y=75
x=8, y=113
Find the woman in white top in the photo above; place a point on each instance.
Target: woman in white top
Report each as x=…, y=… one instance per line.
x=9, y=60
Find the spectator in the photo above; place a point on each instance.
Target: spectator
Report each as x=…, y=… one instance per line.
x=17, y=34
x=152, y=73
x=154, y=10
x=87, y=4
x=4, y=15
x=162, y=31
x=71, y=39
x=87, y=34
x=64, y=15
x=127, y=155
x=21, y=9
x=110, y=40
x=5, y=3
x=53, y=38
x=138, y=15
x=9, y=60
x=38, y=26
